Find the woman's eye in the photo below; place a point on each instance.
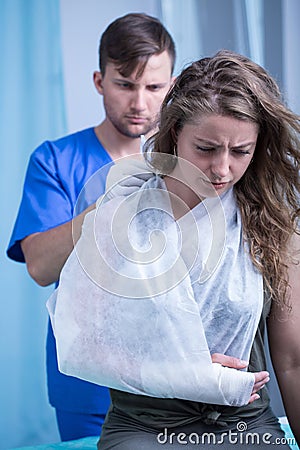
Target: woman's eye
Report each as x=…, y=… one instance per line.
x=205, y=149
x=241, y=152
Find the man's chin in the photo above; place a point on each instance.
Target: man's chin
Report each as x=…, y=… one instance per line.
x=133, y=135
x=136, y=132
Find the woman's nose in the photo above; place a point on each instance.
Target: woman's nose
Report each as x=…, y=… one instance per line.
x=220, y=165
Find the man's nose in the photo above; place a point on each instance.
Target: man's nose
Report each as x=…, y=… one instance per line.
x=138, y=100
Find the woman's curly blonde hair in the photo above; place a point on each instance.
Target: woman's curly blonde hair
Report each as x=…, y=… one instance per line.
x=268, y=194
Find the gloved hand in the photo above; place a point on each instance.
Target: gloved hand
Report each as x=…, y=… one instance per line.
x=126, y=176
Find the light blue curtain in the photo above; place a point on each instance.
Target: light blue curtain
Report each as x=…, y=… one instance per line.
x=183, y=20
x=31, y=110
x=202, y=27
x=291, y=54
x=267, y=31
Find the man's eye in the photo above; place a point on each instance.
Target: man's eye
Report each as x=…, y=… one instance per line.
x=155, y=87
x=124, y=85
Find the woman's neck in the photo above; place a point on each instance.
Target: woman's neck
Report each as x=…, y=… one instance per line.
x=182, y=197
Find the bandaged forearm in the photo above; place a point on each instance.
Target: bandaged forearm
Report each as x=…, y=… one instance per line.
x=125, y=315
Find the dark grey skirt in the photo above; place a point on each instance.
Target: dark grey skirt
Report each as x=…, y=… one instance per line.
x=124, y=432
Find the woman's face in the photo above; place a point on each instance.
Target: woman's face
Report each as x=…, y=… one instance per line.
x=220, y=147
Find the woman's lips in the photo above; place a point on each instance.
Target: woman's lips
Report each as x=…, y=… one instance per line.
x=220, y=185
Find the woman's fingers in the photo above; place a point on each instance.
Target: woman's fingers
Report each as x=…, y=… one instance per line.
x=261, y=378
x=228, y=361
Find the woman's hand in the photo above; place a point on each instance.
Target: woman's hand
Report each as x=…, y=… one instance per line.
x=261, y=378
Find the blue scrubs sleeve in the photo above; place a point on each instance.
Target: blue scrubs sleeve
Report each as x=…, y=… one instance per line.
x=43, y=188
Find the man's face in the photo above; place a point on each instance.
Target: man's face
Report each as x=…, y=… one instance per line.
x=132, y=104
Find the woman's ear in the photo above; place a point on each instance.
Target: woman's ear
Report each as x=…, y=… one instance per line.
x=174, y=135
x=97, y=76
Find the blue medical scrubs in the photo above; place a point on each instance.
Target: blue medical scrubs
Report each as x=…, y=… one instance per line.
x=64, y=177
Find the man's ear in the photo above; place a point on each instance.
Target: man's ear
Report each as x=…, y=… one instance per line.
x=98, y=78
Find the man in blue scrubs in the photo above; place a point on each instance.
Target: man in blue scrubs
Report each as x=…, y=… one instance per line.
x=136, y=63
